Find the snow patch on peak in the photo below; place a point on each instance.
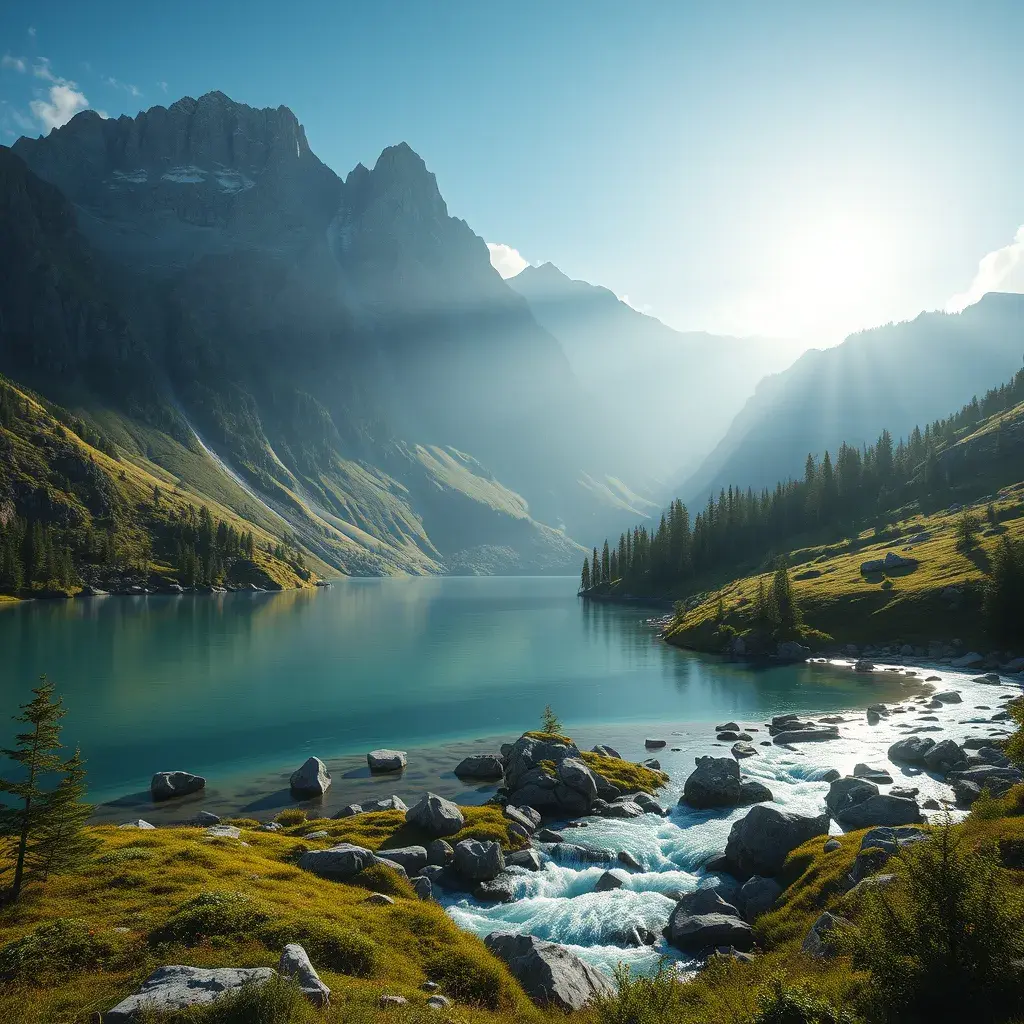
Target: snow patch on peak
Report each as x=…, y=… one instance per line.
x=184, y=175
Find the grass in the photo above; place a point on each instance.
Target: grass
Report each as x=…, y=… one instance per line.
x=81, y=942
x=910, y=605
x=625, y=775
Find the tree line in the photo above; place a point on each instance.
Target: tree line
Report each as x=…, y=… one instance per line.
x=835, y=494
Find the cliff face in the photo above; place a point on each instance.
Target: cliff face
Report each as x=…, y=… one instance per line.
x=214, y=279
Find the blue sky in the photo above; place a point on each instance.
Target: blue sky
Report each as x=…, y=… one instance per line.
x=798, y=170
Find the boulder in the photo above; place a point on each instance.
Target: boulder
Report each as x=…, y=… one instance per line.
x=339, y=863
x=529, y=860
x=881, y=809
x=549, y=835
x=619, y=809
x=440, y=852
x=728, y=727
x=479, y=861
x=832, y=845
x=166, y=785
x=625, y=857
x=610, y=880
x=387, y=803
x=311, y=779
x=205, y=818
x=741, y=750
x=527, y=753
x=714, y=783
x=137, y=823
x=500, y=889
x=480, y=766
x=752, y=792
x=648, y=803
x=985, y=776
x=949, y=697
x=436, y=816
x=412, y=858
x=727, y=737
x=847, y=791
x=551, y=975
x=810, y=735
x=605, y=751
x=704, y=901
x=821, y=938
x=176, y=988
x=295, y=964
x=790, y=651
x=525, y=816
x=758, y=896
x=878, y=775
x=227, y=832
x=423, y=886
x=760, y=842
x=654, y=744
x=943, y=756
x=969, y=660
x=697, y=932
x=385, y=760
x=911, y=750
x=891, y=839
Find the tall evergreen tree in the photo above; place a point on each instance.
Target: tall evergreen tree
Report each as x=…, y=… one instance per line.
x=36, y=755
x=585, y=575
x=63, y=843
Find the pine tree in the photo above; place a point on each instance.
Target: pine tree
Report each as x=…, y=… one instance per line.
x=63, y=843
x=585, y=576
x=606, y=575
x=36, y=755
x=784, y=601
x=595, y=570
x=1004, y=597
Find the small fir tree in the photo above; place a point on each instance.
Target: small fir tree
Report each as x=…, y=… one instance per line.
x=63, y=843
x=549, y=721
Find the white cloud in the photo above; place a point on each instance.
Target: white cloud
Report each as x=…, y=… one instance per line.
x=32, y=31
x=506, y=260
x=163, y=87
x=15, y=63
x=63, y=99
x=999, y=271
x=132, y=90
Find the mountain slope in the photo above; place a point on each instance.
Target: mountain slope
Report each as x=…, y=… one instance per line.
x=894, y=376
x=681, y=389
x=316, y=335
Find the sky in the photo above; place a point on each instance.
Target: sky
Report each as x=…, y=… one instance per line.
x=790, y=170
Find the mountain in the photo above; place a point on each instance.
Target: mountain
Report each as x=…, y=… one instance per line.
x=895, y=376
x=198, y=287
x=677, y=391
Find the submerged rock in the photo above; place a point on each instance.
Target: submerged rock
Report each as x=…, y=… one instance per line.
x=550, y=974
x=480, y=766
x=166, y=785
x=384, y=760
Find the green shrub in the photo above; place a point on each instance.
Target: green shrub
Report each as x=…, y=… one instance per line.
x=212, y=915
x=330, y=946
x=276, y=1002
x=468, y=976
x=640, y=999
x=291, y=816
x=125, y=855
x=945, y=941
x=54, y=950
x=780, y=1003
x=381, y=878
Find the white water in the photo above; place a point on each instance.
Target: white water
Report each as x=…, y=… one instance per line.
x=559, y=903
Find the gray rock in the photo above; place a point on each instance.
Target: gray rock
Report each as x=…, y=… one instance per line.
x=387, y=1001
x=479, y=861
x=205, y=818
x=821, y=939
x=714, y=783
x=224, y=832
x=548, y=835
x=753, y=792
x=694, y=933
x=880, y=809
x=480, y=766
x=991, y=777
x=728, y=727
x=705, y=901
x=891, y=839
x=311, y=779
x=741, y=750
x=526, y=755
x=412, y=858
x=436, y=816
x=625, y=857
x=621, y=809
x=831, y=845
x=846, y=792
x=816, y=734
x=440, y=852
x=790, y=651
x=525, y=816
x=528, y=859
x=392, y=864
x=271, y=826
x=949, y=697
x=943, y=756
x=166, y=785
x=758, y=896
x=339, y=863
x=970, y=660
x=295, y=963
x=610, y=880
x=605, y=751
x=551, y=975
x=911, y=750
x=385, y=760
x=387, y=803
x=175, y=988
x=314, y=835
x=648, y=803
x=878, y=775
x=423, y=886
x=437, y=1002
x=501, y=889
x=760, y=842
x=653, y=763
x=139, y=823
x=654, y=744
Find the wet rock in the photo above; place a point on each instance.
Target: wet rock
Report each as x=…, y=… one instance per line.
x=295, y=964
x=384, y=760
x=528, y=859
x=480, y=766
x=654, y=744
x=995, y=779
x=653, y=763
x=609, y=880
x=695, y=933
x=753, y=792
x=649, y=804
x=714, y=783
x=949, y=697
x=551, y=975
x=500, y=889
x=911, y=750
x=727, y=737
x=877, y=775
x=479, y=861
x=173, y=988
x=728, y=727
x=436, y=816
x=548, y=835
x=625, y=857
x=167, y=785
x=760, y=842
x=931, y=804
x=742, y=750
x=905, y=792
x=705, y=901
x=846, y=792
x=943, y=756
x=814, y=734
x=525, y=816
x=311, y=779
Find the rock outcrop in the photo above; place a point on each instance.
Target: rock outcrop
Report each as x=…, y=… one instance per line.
x=760, y=842
x=176, y=988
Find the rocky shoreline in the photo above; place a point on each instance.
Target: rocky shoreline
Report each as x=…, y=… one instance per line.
x=566, y=813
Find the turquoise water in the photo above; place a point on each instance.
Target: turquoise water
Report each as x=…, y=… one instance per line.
x=241, y=686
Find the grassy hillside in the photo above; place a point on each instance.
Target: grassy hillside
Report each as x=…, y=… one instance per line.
x=938, y=597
